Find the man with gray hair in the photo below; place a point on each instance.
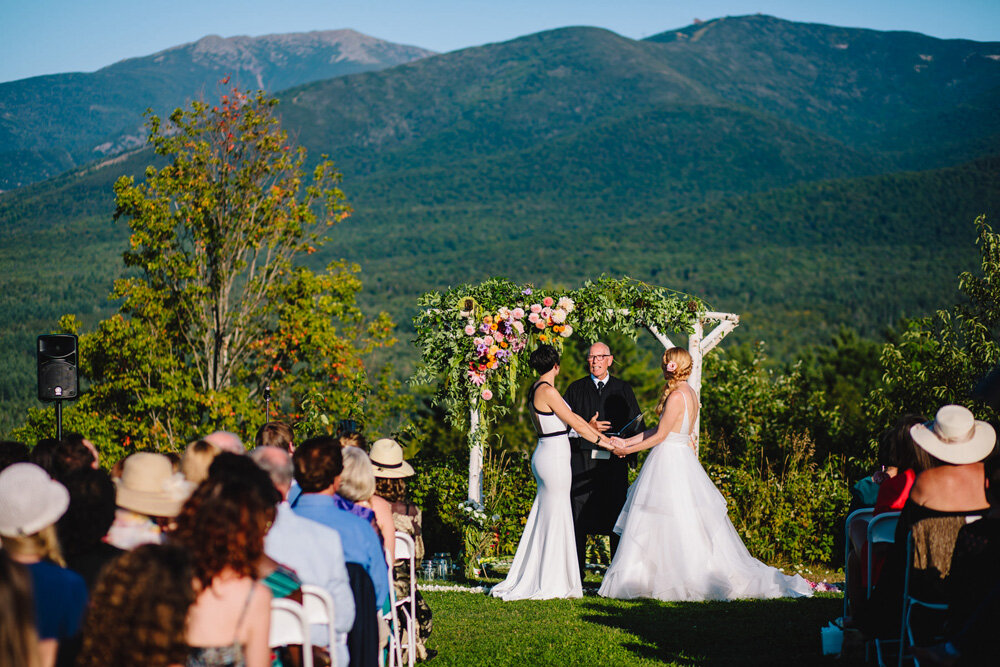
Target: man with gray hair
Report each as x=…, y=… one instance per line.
x=313, y=550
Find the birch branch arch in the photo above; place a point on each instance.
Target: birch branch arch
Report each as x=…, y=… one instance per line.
x=475, y=340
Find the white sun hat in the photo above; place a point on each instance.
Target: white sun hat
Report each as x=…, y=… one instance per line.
x=30, y=500
x=955, y=436
x=387, y=457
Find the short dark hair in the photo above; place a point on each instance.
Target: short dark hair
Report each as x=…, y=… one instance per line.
x=543, y=359
x=896, y=446
x=275, y=434
x=318, y=462
x=71, y=455
x=12, y=452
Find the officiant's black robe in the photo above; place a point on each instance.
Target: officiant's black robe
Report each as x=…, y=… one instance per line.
x=600, y=485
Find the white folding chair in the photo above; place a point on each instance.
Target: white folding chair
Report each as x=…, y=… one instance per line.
x=881, y=530
x=290, y=626
x=406, y=550
x=318, y=605
x=863, y=514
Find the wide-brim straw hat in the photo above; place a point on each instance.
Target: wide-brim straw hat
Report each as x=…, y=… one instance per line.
x=150, y=486
x=387, y=458
x=955, y=436
x=30, y=500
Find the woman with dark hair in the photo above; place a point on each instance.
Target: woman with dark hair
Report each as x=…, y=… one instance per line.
x=677, y=542
x=18, y=638
x=85, y=524
x=545, y=565
x=222, y=525
x=139, y=610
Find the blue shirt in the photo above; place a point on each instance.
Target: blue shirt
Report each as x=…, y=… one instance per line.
x=361, y=544
x=60, y=599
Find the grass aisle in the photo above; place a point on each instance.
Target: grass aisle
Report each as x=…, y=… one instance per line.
x=473, y=629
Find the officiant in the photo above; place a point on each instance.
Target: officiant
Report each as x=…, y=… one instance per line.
x=600, y=481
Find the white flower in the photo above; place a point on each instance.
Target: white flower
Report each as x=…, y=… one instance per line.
x=566, y=304
x=558, y=315
x=567, y=331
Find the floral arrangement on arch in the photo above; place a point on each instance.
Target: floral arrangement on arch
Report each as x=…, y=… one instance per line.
x=475, y=339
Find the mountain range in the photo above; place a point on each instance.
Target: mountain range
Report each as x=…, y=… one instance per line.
x=805, y=176
x=49, y=124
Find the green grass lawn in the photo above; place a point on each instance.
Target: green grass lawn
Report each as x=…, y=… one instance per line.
x=474, y=629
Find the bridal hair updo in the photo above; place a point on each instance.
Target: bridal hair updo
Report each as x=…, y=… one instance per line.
x=676, y=365
x=543, y=359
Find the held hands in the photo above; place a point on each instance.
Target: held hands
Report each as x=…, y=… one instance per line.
x=618, y=447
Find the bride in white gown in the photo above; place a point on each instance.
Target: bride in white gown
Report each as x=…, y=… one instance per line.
x=677, y=542
x=545, y=565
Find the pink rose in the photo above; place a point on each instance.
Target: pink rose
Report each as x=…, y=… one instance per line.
x=547, y=301
x=487, y=395
x=535, y=308
x=533, y=318
x=498, y=337
x=469, y=329
x=518, y=313
x=540, y=324
x=519, y=327
x=546, y=312
x=671, y=366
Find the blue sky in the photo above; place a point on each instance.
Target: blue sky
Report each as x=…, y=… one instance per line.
x=49, y=36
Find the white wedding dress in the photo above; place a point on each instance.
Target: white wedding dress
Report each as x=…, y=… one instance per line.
x=677, y=542
x=545, y=565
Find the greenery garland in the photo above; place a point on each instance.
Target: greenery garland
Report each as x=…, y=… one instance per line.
x=475, y=339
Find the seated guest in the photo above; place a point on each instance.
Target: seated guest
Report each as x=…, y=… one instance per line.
x=139, y=610
x=72, y=453
x=313, y=550
x=391, y=472
x=276, y=434
x=18, y=638
x=222, y=526
x=149, y=495
x=318, y=465
x=357, y=488
x=198, y=456
x=30, y=504
x=954, y=486
x=44, y=453
x=904, y=461
x=85, y=524
x=282, y=581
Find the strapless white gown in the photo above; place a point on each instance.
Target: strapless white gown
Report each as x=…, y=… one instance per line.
x=677, y=542
x=545, y=564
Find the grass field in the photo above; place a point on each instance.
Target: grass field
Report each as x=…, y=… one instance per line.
x=474, y=629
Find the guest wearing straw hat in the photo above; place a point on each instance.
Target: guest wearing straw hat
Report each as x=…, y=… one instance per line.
x=954, y=486
x=391, y=472
x=149, y=495
x=30, y=504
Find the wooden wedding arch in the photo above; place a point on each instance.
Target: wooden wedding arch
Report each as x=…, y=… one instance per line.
x=475, y=340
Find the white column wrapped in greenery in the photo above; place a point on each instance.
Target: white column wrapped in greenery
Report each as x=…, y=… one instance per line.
x=475, y=340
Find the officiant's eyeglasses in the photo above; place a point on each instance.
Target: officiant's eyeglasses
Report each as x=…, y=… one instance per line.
x=597, y=356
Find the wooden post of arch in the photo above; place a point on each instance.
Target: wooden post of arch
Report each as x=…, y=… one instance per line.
x=699, y=345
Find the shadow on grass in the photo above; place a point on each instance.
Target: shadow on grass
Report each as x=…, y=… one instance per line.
x=751, y=632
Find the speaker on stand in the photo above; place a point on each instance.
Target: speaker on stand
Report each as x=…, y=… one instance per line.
x=58, y=378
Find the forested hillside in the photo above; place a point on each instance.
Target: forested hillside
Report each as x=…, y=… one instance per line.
x=804, y=176
x=49, y=124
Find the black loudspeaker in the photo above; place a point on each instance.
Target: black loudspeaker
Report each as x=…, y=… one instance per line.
x=57, y=363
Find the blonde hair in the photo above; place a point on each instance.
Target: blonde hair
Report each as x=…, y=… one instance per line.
x=357, y=481
x=43, y=544
x=680, y=361
x=18, y=637
x=196, y=460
